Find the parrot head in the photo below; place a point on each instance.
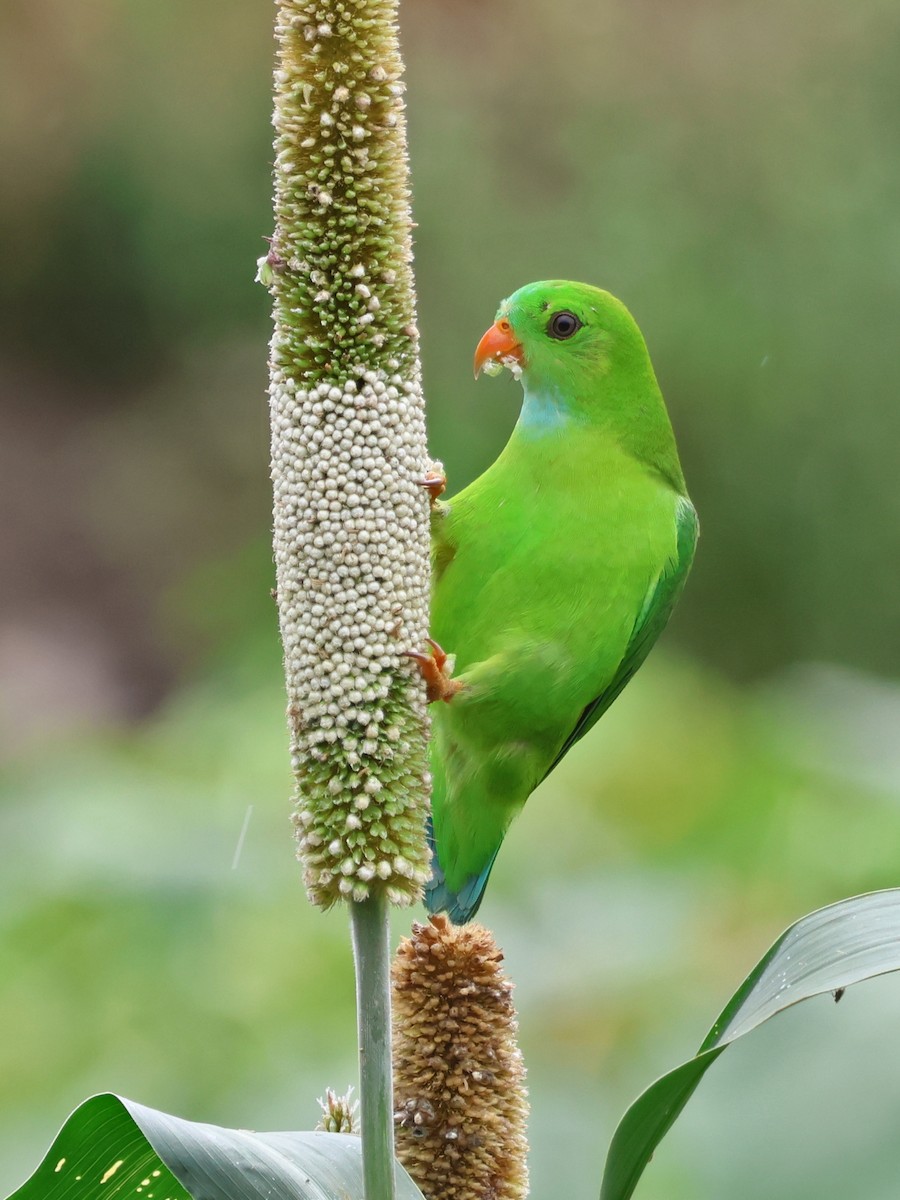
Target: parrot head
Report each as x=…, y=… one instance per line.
x=555, y=333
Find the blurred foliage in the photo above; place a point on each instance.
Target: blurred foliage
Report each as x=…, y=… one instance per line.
x=732, y=171
x=148, y=945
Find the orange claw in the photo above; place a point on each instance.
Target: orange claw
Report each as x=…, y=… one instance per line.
x=435, y=482
x=438, y=684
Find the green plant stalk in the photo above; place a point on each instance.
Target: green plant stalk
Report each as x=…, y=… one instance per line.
x=371, y=951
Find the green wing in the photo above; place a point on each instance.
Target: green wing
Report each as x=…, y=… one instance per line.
x=647, y=628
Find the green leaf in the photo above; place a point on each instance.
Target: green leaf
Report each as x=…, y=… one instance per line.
x=110, y=1148
x=826, y=951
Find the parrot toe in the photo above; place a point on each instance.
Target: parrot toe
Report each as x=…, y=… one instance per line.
x=434, y=483
x=438, y=684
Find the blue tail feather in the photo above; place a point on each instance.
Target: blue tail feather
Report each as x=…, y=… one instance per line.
x=459, y=906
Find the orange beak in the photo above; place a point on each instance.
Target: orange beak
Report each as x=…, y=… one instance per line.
x=497, y=344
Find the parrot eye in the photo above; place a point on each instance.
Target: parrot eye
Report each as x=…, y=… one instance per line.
x=562, y=325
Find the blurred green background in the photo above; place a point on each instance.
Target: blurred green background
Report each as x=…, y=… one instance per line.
x=732, y=171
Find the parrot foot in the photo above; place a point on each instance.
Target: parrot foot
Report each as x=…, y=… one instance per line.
x=434, y=482
x=438, y=684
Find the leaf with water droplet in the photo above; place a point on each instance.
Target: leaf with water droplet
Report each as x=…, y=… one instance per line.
x=827, y=951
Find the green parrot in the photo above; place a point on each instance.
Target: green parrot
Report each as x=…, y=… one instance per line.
x=553, y=573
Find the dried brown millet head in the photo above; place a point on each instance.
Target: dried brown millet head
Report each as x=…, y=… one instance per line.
x=459, y=1092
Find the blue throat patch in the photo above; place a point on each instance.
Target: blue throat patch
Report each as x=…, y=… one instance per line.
x=543, y=412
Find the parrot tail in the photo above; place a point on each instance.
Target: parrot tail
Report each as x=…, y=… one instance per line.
x=459, y=906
